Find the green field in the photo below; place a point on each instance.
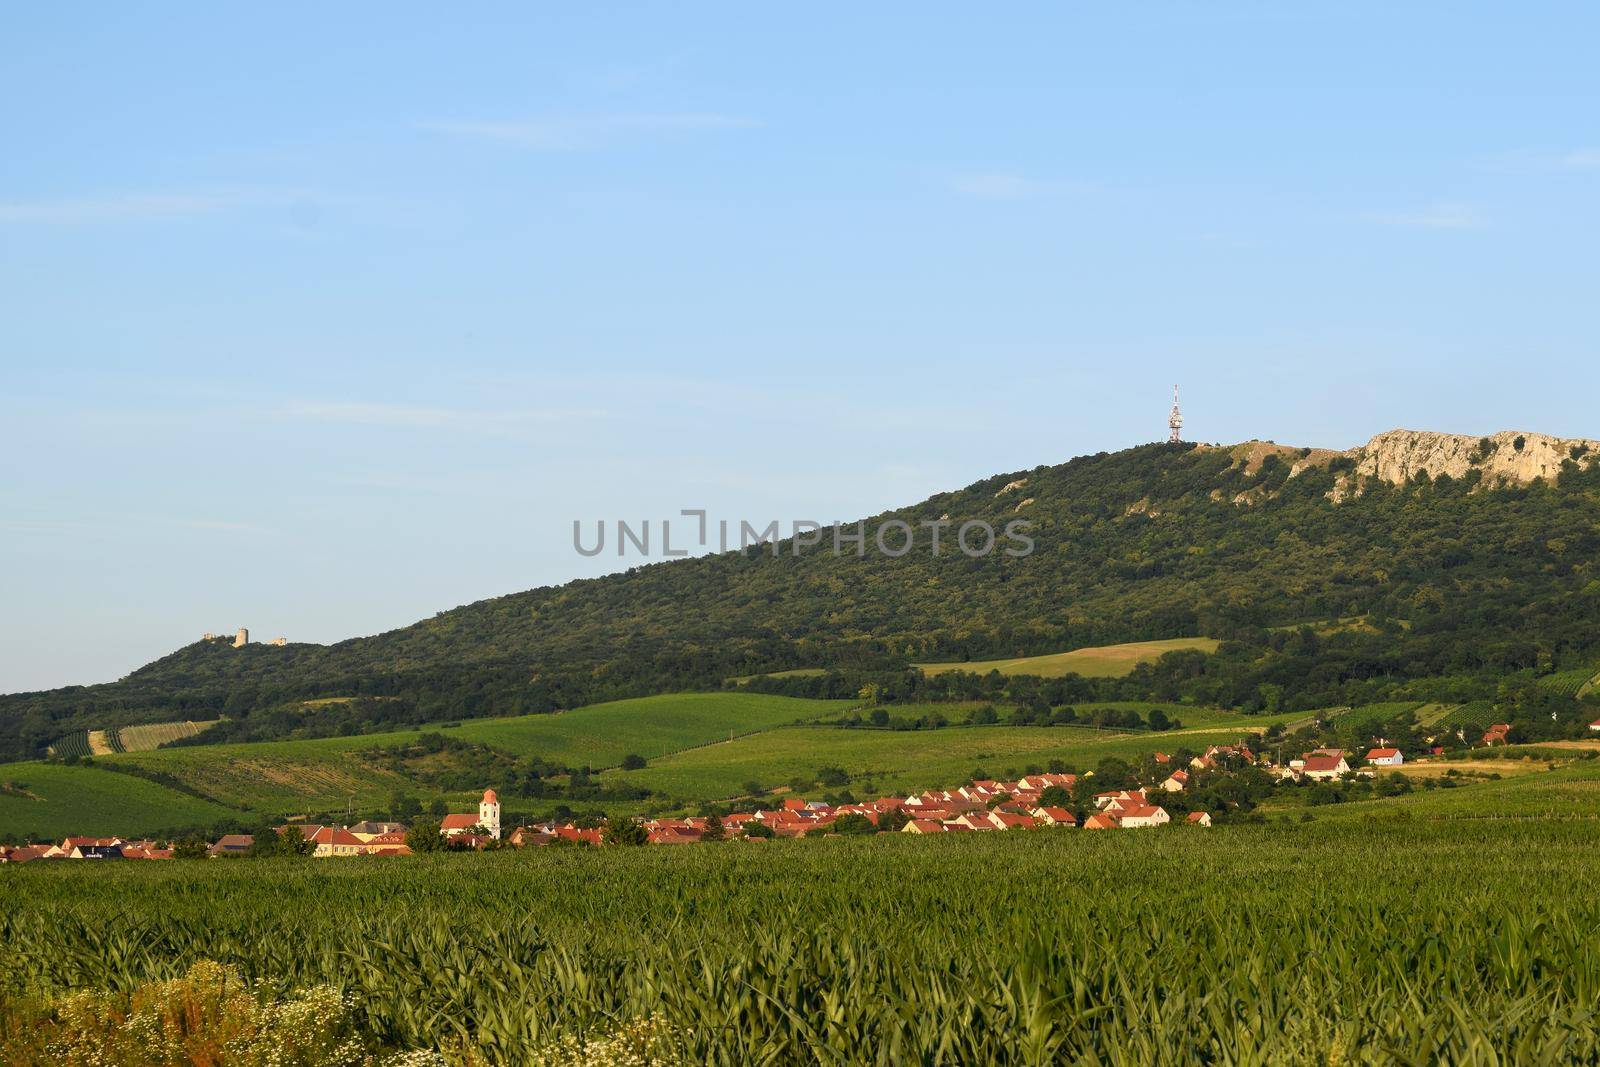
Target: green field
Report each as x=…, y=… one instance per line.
x=1568, y=792
x=1105, y=661
x=1458, y=942
x=293, y=777
x=701, y=747
x=900, y=761
x=65, y=800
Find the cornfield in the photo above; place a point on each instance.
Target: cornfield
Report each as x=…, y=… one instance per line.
x=1319, y=943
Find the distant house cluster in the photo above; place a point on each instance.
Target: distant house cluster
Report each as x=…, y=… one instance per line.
x=86, y=848
x=980, y=806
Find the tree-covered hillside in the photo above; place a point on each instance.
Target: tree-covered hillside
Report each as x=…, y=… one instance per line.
x=1448, y=578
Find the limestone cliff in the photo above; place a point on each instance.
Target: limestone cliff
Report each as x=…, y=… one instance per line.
x=1508, y=457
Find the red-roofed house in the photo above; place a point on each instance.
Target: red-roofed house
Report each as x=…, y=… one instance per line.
x=1176, y=781
x=1119, y=798
x=1197, y=818
x=1100, y=820
x=1385, y=757
x=1006, y=820
x=577, y=836
x=674, y=835
x=1497, y=734
x=528, y=836
x=1321, y=768
x=25, y=853
x=92, y=848
x=335, y=841
x=1055, y=816
x=231, y=845
x=922, y=826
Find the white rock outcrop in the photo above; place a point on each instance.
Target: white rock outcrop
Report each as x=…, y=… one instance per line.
x=1508, y=457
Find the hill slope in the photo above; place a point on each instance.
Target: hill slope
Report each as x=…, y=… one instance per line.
x=1478, y=569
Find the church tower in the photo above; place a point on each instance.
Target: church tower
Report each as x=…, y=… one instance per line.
x=489, y=813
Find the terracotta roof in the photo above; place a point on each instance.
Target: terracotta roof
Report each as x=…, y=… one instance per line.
x=1322, y=763
x=1383, y=753
x=1141, y=812
x=489, y=797
x=458, y=822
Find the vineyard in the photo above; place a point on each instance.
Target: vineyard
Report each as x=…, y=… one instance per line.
x=1568, y=683
x=1281, y=944
x=74, y=744
x=154, y=735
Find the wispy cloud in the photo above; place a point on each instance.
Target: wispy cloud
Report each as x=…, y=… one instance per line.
x=133, y=207
x=420, y=417
x=1437, y=217
x=999, y=185
x=1582, y=159
x=578, y=132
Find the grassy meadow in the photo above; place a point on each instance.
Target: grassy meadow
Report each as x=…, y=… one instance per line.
x=1282, y=944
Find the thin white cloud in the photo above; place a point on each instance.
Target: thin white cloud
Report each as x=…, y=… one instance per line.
x=576, y=133
x=998, y=185
x=1582, y=159
x=134, y=207
x=1437, y=217
x=418, y=417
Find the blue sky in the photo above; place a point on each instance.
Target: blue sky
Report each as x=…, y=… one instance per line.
x=319, y=319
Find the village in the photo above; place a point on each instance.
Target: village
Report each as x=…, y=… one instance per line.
x=1038, y=801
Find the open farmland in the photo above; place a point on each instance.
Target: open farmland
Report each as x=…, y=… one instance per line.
x=291, y=777
x=897, y=761
x=1155, y=948
x=1105, y=661
x=1571, y=791
x=52, y=800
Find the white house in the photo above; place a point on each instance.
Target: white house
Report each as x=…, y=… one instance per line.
x=1176, y=781
x=1134, y=817
x=1385, y=757
x=1320, y=768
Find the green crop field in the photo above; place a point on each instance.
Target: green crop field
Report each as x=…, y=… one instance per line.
x=1458, y=942
x=1105, y=661
x=1568, y=792
x=52, y=800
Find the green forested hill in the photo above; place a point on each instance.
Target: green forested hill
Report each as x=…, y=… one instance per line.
x=1450, y=580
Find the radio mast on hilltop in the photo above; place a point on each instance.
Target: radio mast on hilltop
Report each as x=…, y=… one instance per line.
x=1175, y=420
